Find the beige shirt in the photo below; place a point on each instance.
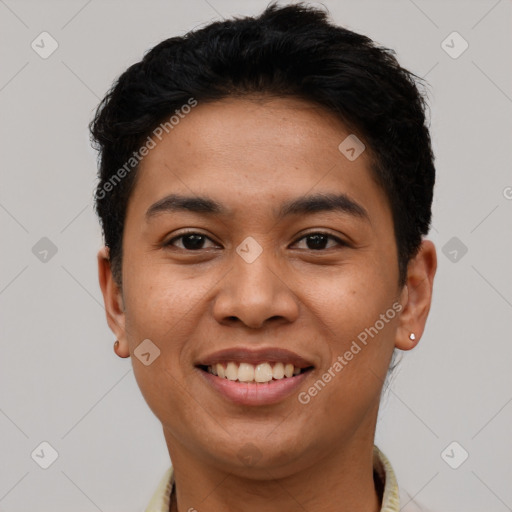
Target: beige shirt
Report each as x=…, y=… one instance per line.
x=382, y=467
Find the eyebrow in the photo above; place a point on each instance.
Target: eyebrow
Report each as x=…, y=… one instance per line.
x=300, y=206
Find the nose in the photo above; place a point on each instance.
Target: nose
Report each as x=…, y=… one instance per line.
x=255, y=294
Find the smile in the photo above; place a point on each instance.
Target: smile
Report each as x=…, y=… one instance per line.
x=254, y=377
x=262, y=373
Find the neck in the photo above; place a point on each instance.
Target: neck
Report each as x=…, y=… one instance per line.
x=340, y=482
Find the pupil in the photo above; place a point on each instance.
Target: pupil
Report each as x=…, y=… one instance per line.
x=193, y=241
x=319, y=241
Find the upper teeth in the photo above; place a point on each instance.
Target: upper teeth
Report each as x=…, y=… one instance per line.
x=246, y=372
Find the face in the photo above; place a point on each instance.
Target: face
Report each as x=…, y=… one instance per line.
x=253, y=247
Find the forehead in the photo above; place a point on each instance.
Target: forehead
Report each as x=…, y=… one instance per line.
x=268, y=149
x=275, y=129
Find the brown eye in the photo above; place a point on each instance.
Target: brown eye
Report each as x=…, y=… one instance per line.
x=319, y=241
x=190, y=241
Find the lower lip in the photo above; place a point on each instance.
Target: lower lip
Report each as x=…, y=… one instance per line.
x=251, y=393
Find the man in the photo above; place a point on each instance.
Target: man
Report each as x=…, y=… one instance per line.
x=265, y=185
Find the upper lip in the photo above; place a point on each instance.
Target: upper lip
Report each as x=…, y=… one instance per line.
x=263, y=355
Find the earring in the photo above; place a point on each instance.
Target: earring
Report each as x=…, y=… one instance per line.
x=412, y=336
x=116, y=345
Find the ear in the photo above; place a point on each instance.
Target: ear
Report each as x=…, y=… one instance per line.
x=417, y=296
x=113, y=300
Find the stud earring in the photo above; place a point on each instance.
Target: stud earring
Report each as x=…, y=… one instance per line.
x=116, y=345
x=412, y=336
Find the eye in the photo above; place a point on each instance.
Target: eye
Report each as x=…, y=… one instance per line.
x=318, y=241
x=194, y=241
x=190, y=241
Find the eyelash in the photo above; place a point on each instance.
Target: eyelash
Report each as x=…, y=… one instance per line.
x=339, y=241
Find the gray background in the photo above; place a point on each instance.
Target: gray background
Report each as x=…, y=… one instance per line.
x=60, y=381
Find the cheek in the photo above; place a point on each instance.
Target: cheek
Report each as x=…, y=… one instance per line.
x=155, y=298
x=350, y=383
x=156, y=310
x=348, y=300
x=359, y=312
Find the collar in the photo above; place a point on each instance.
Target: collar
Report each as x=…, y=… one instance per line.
x=382, y=468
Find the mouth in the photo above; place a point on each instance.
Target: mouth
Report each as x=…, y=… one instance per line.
x=261, y=373
x=249, y=377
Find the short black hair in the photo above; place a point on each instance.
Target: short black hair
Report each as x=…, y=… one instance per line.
x=287, y=51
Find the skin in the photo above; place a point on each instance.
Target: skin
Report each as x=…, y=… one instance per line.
x=251, y=155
